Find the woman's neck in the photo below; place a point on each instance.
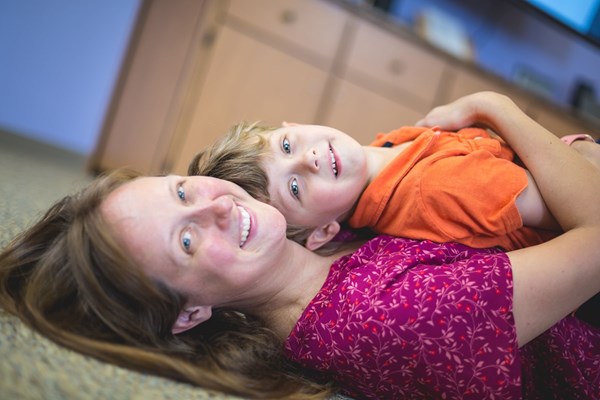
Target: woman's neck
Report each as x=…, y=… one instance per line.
x=306, y=272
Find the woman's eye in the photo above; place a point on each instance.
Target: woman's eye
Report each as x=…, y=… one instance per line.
x=181, y=192
x=287, y=147
x=186, y=241
x=294, y=187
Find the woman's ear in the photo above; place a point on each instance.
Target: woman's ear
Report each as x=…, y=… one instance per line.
x=190, y=317
x=322, y=235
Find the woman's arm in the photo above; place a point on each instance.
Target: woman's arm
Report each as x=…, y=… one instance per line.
x=554, y=278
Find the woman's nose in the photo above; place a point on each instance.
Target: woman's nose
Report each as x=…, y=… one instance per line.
x=217, y=211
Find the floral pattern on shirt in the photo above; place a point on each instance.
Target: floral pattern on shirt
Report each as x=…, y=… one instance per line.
x=409, y=319
x=563, y=363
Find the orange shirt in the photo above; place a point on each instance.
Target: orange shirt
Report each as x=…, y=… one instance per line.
x=448, y=186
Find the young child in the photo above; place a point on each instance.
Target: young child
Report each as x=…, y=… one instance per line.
x=414, y=182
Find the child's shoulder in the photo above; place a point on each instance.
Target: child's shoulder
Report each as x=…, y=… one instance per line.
x=398, y=136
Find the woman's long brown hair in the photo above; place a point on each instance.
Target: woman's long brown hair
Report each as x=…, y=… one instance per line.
x=69, y=279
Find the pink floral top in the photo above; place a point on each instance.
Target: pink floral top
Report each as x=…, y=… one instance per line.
x=414, y=320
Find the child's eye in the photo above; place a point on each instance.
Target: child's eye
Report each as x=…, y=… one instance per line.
x=181, y=192
x=294, y=188
x=186, y=241
x=287, y=147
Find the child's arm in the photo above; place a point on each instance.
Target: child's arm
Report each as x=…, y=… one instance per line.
x=484, y=109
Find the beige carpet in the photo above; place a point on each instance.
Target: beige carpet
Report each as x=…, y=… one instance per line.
x=32, y=177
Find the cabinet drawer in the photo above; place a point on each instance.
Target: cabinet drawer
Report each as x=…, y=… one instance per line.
x=309, y=24
x=362, y=113
x=462, y=82
x=282, y=88
x=391, y=62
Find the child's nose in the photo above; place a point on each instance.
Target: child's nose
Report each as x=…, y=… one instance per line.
x=311, y=161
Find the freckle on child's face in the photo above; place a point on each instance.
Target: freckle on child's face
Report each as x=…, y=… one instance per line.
x=316, y=173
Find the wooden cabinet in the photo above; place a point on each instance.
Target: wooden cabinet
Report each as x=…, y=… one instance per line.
x=196, y=67
x=394, y=65
x=150, y=91
x=270, y=62
x=293, y=26
x=463, y=80
x=363, y=113
x=383, y=82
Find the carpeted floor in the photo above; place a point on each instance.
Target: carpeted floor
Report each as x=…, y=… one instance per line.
x=32, y=177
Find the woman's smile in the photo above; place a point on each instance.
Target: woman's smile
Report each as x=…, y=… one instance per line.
x=245, y=223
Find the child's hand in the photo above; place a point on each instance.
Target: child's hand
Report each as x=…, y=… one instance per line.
x=470, y=110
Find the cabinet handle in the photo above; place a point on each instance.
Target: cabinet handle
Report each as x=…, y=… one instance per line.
x=396, y=67
x=208, y=38
x=288, y=17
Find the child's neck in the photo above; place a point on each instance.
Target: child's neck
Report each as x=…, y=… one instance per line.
x=379, y=157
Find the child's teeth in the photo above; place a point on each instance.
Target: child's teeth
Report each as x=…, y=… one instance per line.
x=333, y=163
x=245, y=225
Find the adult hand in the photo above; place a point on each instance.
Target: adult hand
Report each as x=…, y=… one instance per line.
x=470, y=110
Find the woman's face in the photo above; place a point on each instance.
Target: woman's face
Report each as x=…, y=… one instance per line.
x=202, y=236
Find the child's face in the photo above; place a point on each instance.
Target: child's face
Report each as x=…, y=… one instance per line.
x=316, y=173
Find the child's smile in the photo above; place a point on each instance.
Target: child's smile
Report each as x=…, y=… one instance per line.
x=335, y=164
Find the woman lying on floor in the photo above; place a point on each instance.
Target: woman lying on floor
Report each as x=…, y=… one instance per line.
x=191, y=278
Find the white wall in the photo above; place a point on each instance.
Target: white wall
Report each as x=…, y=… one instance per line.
x=59, y=61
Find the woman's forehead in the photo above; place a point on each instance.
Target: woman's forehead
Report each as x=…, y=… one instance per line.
x=129, y=198
x=138, y=220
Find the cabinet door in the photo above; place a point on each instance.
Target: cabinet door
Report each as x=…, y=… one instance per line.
x=362, y=113
x=246, y=81
x=143, y=111
x=385, y=81
x=466, y=81
x=394, y=66
x=308, y=27
x=557, y=120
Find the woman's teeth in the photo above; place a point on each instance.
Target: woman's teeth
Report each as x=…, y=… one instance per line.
x=245, y=225
x=333, y=163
